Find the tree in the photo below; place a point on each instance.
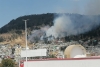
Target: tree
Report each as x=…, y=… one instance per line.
x=7, y=63
x=1, y=39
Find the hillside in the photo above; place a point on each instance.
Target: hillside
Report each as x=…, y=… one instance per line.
x=34, y=22
x=13, y=32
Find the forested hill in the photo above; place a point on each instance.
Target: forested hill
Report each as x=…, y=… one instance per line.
x=37, y=20
x=34, y=22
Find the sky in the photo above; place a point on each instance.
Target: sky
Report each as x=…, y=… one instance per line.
x=12, y=9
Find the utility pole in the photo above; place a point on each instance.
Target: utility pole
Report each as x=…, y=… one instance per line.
x=26, y=36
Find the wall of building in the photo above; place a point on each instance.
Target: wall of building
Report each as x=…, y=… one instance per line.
x=80, y=62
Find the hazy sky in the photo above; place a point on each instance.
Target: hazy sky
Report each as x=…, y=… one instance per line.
x=12, y=9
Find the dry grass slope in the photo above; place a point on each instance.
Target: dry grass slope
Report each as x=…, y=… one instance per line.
x=13, y=38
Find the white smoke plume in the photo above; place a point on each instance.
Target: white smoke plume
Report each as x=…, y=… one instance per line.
x=37, y=34
x=61, y=24
x=65, y=26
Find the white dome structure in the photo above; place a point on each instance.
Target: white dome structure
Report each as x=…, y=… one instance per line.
x=80, y=56
x=73, y=50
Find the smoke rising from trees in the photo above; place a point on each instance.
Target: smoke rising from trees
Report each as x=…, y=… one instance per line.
x=66, y=25
x=72, y=24
x=37, y=34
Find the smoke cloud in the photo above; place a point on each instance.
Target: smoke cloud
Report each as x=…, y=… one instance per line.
x=70, y=24
x=37, y=34
x=61, y=24
x=93, y=7
x=66, y=25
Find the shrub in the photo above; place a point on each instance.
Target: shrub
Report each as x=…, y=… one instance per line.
x=7, y=63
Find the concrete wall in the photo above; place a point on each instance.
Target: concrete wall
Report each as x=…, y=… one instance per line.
x=94, y=62
x=34, y=53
